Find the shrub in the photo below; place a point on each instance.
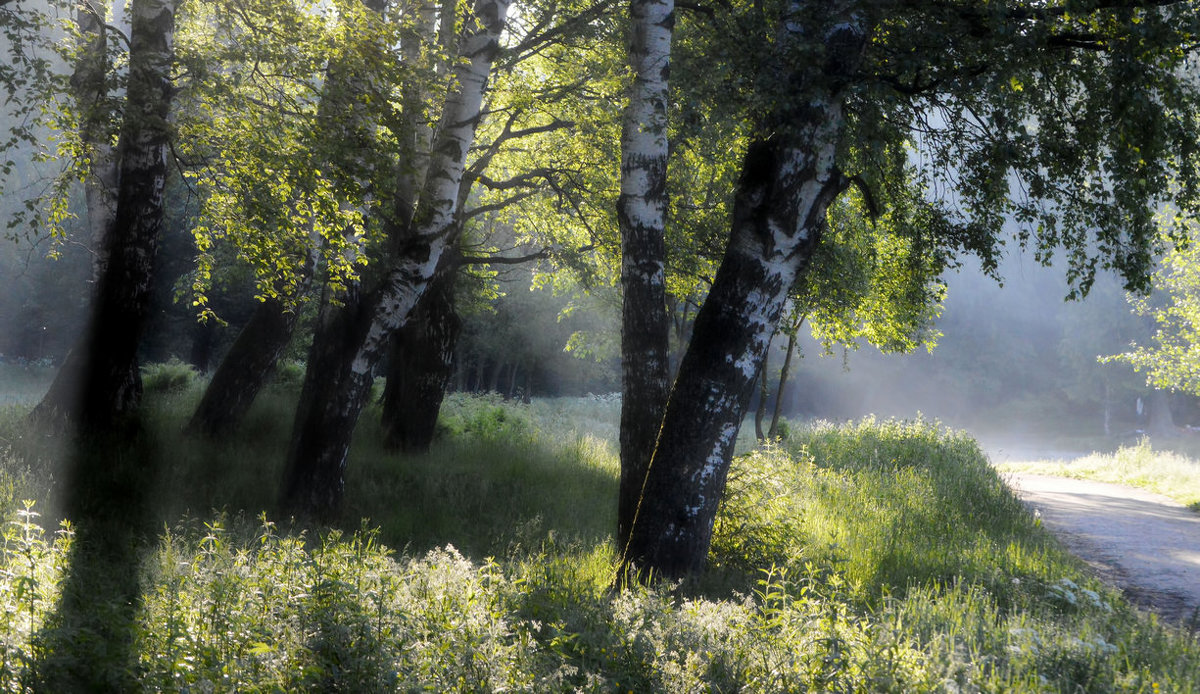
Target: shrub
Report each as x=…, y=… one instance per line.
x=289, y=375
x=173, y=376
x=486, y=417
x=870, y=557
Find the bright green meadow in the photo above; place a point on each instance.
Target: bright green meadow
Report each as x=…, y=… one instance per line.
x=866, y=557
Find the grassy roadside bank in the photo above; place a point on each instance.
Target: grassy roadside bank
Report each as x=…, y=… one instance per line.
x=876, y=556
x=1173, y=474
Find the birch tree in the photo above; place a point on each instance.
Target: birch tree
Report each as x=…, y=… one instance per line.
x=516, y=166
x=109, y=384
x=284, y=196
x=1074, y=121
x=641, y=214
x=351, y=337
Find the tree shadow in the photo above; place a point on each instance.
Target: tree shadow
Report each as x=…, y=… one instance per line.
x=87, y=643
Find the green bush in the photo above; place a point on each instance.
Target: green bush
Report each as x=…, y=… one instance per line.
x=289, y=375
x=870, y=557
x=487, y=417
x=173, y=376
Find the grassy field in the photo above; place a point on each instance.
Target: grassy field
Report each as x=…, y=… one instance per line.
x=1168, y=472
x=869, y=557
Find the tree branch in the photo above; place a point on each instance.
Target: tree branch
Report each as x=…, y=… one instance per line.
x=463, y=259
x=538, y=40
x=524, y=180
x=497, y=206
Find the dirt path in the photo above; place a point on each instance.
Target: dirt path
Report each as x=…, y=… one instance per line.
x=1146, y=544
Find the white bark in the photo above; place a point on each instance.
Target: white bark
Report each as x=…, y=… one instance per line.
x=644, y=132
x=789, y=178
x=352, y=339
x=641, y=214
x=433, y=226
x=89, y=84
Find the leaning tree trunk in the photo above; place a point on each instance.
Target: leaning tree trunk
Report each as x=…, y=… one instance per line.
x=420, y=364
x=245, y=369
x=787, y=183
x=351, y=338
x=773, y=431
x=252, y=359
x=109, y=386
x=641, y=214
x=90, y=89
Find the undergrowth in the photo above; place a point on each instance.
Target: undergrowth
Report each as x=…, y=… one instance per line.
x=870, y=557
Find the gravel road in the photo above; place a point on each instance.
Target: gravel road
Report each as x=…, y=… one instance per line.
x=1146, y=544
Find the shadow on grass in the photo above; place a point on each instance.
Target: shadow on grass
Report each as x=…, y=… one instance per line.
x=87, y=643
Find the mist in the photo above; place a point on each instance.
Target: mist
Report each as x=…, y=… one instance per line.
x=1016, y=365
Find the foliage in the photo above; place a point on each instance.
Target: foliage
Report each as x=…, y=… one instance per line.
x=279, y=178
x=43, y=154
x=927, y=507
x=871, y=281
x=1170, y=358
x=171, y=376
x=486, y=417
x=941, y=582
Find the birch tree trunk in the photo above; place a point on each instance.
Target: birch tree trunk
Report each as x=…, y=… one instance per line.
x=420, y=364
x=252, y=359
x=90, y=88
x=787, y=182
x=351, y=338
x=244, y=370
x=417, y=356
x=641, y=214
x=109, y=385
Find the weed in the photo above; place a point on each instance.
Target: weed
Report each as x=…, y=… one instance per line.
x=877, y=556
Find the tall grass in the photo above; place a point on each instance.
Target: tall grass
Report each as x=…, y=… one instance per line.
x=1172, y=474
x=878, y=556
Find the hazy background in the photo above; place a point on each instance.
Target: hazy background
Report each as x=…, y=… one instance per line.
x=1015, y=362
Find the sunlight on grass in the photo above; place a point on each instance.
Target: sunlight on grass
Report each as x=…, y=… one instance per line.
x=867, y=557
x=1168, y=473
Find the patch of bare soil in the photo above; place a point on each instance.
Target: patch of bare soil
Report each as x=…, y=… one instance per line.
x=1144, y=543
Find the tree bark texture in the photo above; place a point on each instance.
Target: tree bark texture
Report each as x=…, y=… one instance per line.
x=641, y=214
x=351, y=338
x=787, y=182
x=417, y=362
x=420, y=364
x=90, y=88
x=244, y=370
x=100, y=382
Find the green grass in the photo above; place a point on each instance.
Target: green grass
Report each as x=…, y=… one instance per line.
x=877, y=556
x=1172, y=474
